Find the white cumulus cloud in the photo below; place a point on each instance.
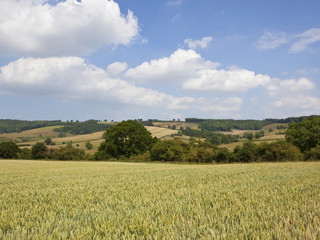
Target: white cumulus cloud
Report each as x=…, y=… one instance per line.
x=300, y=103
x=70, y=78
x=37, y=28
x=181, y=65
x=234, y=79
x=195, y=44
x=287, y=86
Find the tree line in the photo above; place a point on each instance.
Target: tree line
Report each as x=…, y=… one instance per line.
x=9, y=126
x=78, y=128
x=130, y=141
x=228, y=124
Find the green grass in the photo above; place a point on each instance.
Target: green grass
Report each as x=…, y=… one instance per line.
x=84, y=200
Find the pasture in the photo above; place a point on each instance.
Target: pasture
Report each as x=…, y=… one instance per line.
x=86, y=200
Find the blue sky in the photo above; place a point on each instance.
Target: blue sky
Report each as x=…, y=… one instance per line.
x=117, y=60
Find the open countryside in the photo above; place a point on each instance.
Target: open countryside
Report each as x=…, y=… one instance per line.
x=162, y=119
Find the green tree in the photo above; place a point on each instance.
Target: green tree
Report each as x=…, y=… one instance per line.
x=9, y=150
x=305, y=134
x=40, y=151
x=124, y=140
x=89, y=145
x=246, y=153
x=48, y=141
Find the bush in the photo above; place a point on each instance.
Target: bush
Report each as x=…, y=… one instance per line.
x=313, y=154
x=40, y=151
x=65, y=153
x=25, y=153
x=223, y=155
x=9, y=150
x=169, y=151
x=246, y=153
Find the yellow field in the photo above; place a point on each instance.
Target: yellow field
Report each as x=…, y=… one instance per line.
x=92, y=200
x=34, y=134
x=160, y=132
x=178, y=125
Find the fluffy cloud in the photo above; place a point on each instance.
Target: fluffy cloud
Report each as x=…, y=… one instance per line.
x=194, y=44
x=36, y=28
x=278, y=86
x=302, y=104
x=181, y=65
x=271, y=40
x=70, y=78
x=234, y=79
x=305, y=39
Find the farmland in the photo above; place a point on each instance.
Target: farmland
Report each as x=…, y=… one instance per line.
x=43, y=199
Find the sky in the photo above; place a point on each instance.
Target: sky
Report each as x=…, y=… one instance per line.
x=159, y=59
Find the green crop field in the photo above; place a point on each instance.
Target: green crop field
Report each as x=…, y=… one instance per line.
x=98, y=200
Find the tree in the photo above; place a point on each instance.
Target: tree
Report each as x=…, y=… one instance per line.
x=48, y=141
x=246, y=153
x=305, y=134
x=9, y=150
x=124, y=140
x=39, y=151
x=89, y=145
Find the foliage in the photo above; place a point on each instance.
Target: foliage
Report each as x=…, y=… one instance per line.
x=124, y=140
x=246, y=153
x=212, y=137
x=48, y=141
x=170, y=151
x=228, y=124
x=305, y=134
x=25, y=153
x=9, y=126
x=223, y=155
x=86, y=127
x=313, y=154
x=40, y=151
x=9, y=149
x=89, y=145
x=88, y=200
x=65, y=153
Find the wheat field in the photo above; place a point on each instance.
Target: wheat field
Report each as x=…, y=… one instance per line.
x=99, y=200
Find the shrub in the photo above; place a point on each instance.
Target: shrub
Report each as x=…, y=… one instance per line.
x=65, y=153
x=169, y=151
x=40, y=151
x=9, y=150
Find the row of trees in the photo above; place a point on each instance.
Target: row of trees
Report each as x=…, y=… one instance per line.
x=10, y=150
x=130, y=140
x=86, y=127
x=8, y=125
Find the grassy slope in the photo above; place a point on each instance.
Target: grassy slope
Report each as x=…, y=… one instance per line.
x=165, y=201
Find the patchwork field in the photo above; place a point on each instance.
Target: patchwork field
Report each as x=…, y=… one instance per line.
x=85, y=200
